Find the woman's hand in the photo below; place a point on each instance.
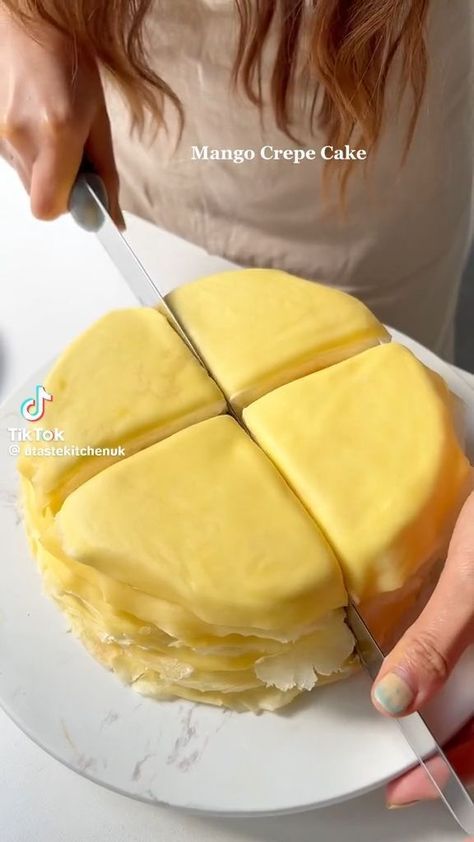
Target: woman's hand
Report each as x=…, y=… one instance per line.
x=52, y=111
x=422, y=660
x=416, y=785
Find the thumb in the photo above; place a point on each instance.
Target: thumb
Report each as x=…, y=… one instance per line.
x=422, y=660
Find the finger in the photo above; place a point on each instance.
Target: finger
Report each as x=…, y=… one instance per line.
x=54, y=172
x=11, y=155
x=417, y=785
x=422, y=660
x=18, y=147
x=99, y=150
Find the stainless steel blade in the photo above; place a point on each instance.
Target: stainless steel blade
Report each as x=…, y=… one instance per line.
x=88, y=206
x=418, y=734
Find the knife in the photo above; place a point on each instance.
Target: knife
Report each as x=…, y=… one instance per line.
x=88, y=205
x=417, y=733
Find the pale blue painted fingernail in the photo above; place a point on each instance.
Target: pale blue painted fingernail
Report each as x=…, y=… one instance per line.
x=393, y=694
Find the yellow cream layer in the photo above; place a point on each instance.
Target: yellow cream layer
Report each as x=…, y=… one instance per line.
x=298, y=665
x=260, y=328
x=216, y=671
x=204, y=520
x=133, y=613
x=128, y=381
x=257, y=699
x=369, y=447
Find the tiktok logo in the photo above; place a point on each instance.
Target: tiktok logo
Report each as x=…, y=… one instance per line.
x=33, y=409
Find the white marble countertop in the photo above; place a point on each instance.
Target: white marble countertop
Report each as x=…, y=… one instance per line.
x=54, y=280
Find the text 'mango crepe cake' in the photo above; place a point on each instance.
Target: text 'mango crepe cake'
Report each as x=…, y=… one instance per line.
x=207, y=565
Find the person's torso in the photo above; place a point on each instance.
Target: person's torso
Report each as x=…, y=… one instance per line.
x=400, y=244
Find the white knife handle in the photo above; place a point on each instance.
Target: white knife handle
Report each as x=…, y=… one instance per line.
x=84, y=210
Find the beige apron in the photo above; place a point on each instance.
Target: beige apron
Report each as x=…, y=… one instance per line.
x=401, y=246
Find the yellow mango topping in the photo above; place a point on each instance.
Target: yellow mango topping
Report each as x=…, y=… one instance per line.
x=205, y=521
x=260, y=328
x=369, y=447
x=128, y=381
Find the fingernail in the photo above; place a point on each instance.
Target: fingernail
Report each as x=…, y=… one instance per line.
x=401, y=806
x=393, y=694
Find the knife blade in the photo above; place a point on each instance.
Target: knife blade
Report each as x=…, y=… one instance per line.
x=417, y=733
x=88, y=206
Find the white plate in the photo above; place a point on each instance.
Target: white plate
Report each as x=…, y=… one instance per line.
x=325, y=748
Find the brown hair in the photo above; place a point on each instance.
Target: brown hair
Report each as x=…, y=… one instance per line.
x=351, y=48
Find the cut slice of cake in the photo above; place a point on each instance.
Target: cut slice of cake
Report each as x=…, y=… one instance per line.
x=127, y=382
x=204, y=520
x=370, y=448
x=260, y=328
x=198, y=534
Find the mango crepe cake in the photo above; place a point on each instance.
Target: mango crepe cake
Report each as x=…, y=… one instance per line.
x=212, y=562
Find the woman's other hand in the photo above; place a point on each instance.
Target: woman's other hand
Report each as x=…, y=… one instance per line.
x=422, y=660
x=52, y=112
x=416, y=784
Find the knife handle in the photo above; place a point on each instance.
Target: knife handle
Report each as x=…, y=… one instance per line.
x=82, y=206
